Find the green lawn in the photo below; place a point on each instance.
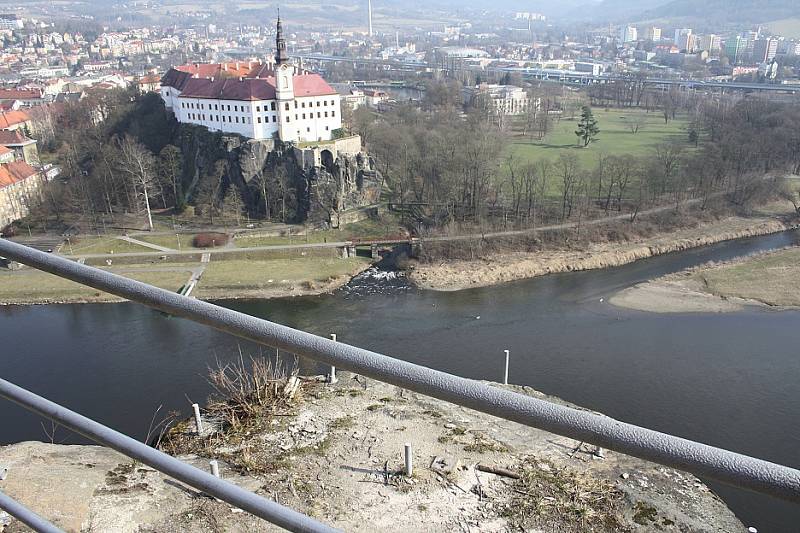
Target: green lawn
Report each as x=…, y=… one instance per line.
x=615, y=138
x=34, y=286
x=101, y=245
x=254, y=275
x=365, y=229
x=184, y=242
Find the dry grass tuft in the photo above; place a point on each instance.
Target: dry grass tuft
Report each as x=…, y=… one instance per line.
x=547, y=496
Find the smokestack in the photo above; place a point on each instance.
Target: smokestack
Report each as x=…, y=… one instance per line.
x=369, y=10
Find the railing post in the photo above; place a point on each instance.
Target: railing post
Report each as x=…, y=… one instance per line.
x=505, y=375
x=198, y=422
x=332, y=376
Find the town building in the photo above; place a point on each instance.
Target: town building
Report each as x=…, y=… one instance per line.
x=20, y=186
x=502, y=99
x=735, y=48
x=15, y=120
x=710, y=43
x=253, y=99
x=765, y=50
x=683, y=39
x=23, y=147
x=653, y=34
x=10, y=21
x=628, y=34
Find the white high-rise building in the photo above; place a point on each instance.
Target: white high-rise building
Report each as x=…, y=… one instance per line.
x=628, y=34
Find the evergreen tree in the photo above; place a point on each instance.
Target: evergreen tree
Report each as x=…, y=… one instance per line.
x=587, y=127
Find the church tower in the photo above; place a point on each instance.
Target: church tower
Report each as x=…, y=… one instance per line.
x=280, y=42
x=284, y=89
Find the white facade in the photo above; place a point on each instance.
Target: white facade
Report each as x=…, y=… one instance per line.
x=303, y=119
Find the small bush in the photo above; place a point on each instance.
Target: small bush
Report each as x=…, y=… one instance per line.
x=210, y=240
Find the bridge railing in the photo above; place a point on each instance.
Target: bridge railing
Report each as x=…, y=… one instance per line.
x=683, y=454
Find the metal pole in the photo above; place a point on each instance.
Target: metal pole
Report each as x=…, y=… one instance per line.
x=583, y=426
x=409, y=460
x=26, y=516
x=505, y=375
x=203, y=481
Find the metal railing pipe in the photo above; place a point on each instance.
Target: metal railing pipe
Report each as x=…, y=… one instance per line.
x=224, y=490
x=26, y=516
x=699, y=459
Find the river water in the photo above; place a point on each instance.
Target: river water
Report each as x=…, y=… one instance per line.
x=729, y=380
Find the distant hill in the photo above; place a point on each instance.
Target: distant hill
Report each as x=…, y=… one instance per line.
x=726, y=11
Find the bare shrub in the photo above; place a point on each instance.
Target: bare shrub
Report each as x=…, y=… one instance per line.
x=249, y=391
x=210, y=240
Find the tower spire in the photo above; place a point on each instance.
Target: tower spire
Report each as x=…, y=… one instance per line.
x=280, y=43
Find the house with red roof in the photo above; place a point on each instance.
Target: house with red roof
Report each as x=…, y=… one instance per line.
x=26, y=97
x=255, y=100
x=15, y=120
x=20, y=186
x=24, y=148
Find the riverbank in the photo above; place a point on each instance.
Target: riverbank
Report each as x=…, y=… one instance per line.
x=335, y=452
x=768, y=279
x=235, y=279
x=506, y=267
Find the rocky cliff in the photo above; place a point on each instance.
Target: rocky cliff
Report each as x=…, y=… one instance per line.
x=276, y=180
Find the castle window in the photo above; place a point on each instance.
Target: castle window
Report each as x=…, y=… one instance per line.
x=333, y=113
x=258, y=110
x=295, y=104
x=287, y=118
x=229, y=107
x=286, y=106
x=319, y=115
x=308, y=130
x=304, y=105
x=326, y=114
x=274, y=118
x=304, y=116
x=273, y=106
x=216, y=107
x=317, y=103
x=237, y=120
x=259, y=120
x=295, y=116
x=325, y=102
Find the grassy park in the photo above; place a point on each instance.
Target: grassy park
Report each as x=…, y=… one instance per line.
x=615, y=137
x=35, y=286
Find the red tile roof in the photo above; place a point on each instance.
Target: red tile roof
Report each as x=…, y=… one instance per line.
x=311, y=85
x=238, y=81
x=12, y=118
x=20, y=94
x=4, y=150
x=11, y=173
x=13, y=138
x=228, y=89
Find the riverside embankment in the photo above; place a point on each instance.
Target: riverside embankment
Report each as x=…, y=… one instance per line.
x=502, y=268
x=335, y=452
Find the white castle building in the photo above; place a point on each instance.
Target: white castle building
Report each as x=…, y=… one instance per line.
x=256, y=100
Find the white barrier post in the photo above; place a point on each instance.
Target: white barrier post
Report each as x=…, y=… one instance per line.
x=409, y=460
x=214, y=467
x=198, y=422
x=332, y=376
x=505, y=375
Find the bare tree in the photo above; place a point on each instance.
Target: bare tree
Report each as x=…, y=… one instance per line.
x=138, y=163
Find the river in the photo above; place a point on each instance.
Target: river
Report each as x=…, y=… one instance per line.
x=730, y=380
